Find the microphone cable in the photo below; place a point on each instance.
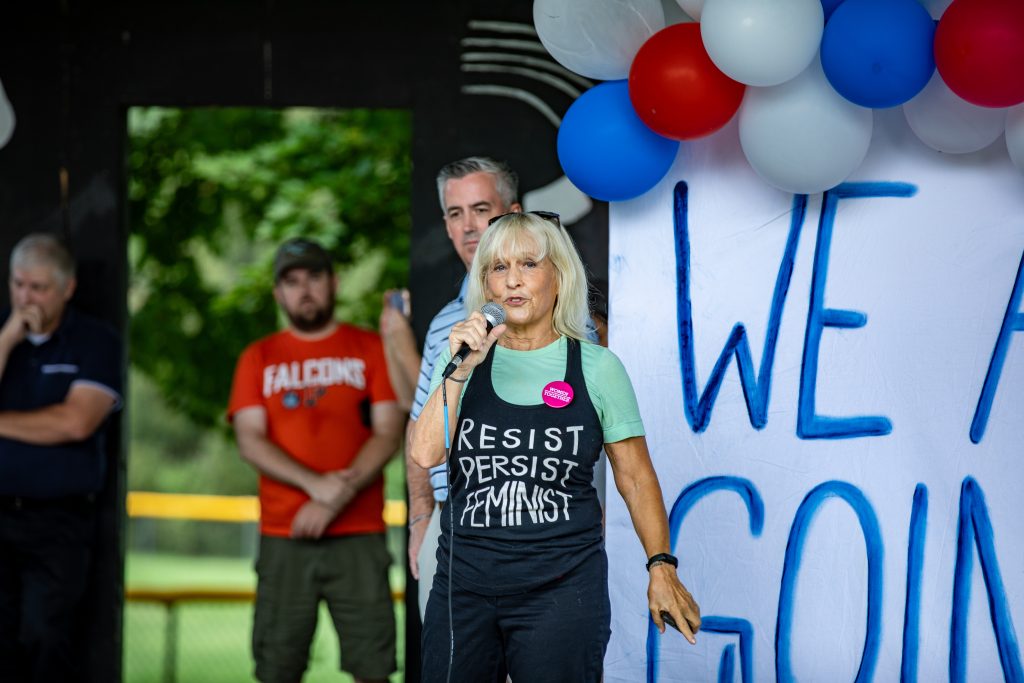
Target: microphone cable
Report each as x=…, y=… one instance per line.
x=451, y=527
x=495, y=315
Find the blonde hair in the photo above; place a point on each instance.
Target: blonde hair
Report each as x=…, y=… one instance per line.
x=513, y=237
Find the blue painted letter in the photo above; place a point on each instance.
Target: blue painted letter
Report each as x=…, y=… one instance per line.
x=975, y=529
x=808, y=424
x=791, y=566
x=1013, y=321
x=756, y=388
x=915, y=565
x=715, y=624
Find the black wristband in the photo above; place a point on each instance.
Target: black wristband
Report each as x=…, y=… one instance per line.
x=662, y=557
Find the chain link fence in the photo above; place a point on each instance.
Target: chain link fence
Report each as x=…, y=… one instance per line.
x=188, y=616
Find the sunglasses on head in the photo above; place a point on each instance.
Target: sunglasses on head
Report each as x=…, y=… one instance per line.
x=549, y=216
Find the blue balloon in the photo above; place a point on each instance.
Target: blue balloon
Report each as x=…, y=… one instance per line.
x=829, y=6
x=878, y=53
x=606, y=150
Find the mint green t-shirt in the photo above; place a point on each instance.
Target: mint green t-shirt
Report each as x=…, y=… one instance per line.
x=520, y=376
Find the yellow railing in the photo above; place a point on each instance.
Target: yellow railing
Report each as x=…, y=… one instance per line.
x=221, y=508
x=207, y=508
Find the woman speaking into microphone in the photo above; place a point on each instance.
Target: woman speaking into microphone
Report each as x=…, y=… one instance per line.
x=521, y=587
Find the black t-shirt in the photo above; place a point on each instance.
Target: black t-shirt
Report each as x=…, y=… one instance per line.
x=81, y=350
x=524, y=505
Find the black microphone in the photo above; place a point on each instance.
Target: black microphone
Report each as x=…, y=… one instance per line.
x=495, y=315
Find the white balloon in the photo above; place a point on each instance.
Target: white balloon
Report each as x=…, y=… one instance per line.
x=693, y=8
x=7, y=119
x=762, y=42
x=947, y=123
x=936, y=7
x=599, y=38
x=802, y=136
x=674, y=13
x=1015, y=135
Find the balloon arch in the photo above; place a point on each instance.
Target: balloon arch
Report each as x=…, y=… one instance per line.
x=803, y=75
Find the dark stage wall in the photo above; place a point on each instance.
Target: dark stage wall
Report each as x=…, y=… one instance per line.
x=71, y=69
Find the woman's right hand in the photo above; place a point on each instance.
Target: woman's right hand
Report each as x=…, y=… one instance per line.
x=473, y=332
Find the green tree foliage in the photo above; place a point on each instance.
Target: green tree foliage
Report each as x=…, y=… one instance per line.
x=211, y=194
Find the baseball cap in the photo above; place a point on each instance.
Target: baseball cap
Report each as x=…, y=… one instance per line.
x=300, y=252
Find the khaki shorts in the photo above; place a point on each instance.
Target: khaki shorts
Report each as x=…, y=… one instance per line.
x=350, y=573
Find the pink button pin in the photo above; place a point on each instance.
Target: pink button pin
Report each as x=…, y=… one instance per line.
x=557, y=394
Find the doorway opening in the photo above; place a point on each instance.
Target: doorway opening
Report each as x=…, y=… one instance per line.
x=211, y=193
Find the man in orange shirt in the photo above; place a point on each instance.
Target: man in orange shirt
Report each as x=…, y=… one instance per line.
x=315, y=414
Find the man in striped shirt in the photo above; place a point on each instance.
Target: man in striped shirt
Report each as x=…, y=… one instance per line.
x=472, y=191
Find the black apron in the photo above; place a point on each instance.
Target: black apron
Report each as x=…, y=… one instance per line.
x=522, y=499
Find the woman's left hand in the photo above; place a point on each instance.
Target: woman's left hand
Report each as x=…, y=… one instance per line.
x=665, y=593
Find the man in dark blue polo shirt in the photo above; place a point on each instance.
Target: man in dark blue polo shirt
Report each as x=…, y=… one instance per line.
x=60, y=378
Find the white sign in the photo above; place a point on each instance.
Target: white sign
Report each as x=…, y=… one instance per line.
x=833, y=392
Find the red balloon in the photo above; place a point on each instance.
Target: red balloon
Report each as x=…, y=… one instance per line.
x=675, y=87
x=979, y=51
